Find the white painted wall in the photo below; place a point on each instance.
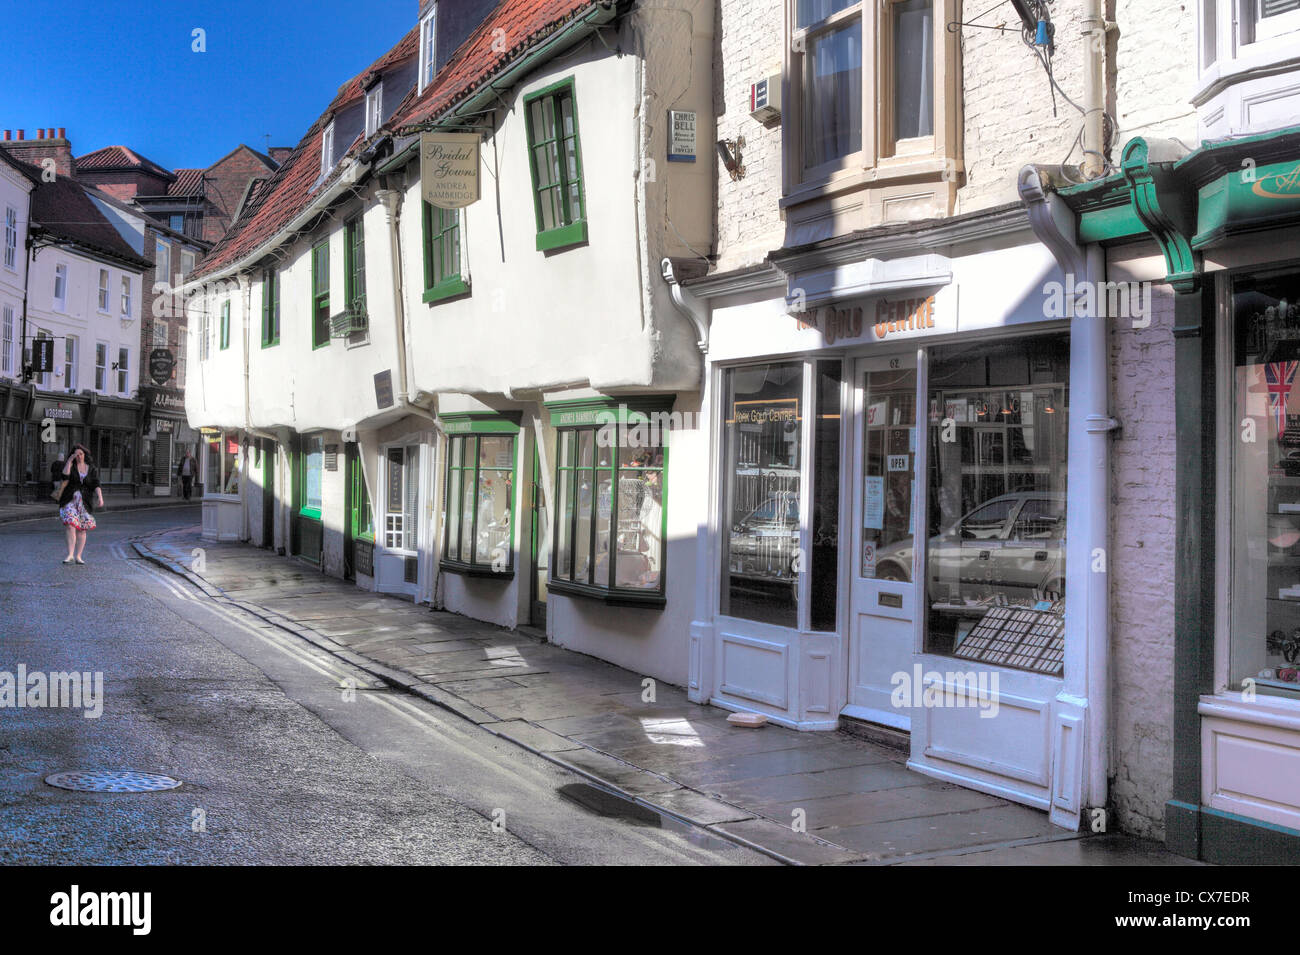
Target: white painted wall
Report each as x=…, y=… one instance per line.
x=15, y=190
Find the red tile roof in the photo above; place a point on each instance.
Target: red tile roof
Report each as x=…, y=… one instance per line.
x=523, y=22
x=274, y=205
x=289, y=191
x=189, y=182
x=119, y=157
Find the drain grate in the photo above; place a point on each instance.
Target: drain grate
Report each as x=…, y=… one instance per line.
x=112, y=781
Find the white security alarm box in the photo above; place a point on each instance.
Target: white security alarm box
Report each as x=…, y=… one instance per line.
x=765, y=99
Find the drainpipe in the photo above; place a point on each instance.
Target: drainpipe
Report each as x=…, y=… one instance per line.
x=1094, y=89
x=1086, y=691
x=246, y=297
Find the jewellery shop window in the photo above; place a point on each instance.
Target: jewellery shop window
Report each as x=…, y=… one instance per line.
x=995, y=550
x=480, y=497
x=1265, y=522
x=610, y=505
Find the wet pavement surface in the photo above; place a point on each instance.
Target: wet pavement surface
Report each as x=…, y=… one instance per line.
x=803, y=798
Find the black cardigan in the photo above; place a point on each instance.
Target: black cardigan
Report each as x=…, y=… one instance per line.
x=86, y=487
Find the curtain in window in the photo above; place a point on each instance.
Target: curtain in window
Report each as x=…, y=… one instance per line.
x=913, y=69
x=833, y=109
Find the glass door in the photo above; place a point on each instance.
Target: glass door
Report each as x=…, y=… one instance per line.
x=882, y=637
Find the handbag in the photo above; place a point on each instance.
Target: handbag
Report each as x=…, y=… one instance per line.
x=57, y=493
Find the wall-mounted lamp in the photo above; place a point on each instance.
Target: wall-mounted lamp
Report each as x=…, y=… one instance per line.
x=729, y=151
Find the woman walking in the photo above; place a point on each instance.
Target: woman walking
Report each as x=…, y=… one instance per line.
x=76, y=507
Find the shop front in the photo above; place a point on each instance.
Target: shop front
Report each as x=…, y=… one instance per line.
x=1225, y=217
x=221, y=466
x=901, y=510
x=53, y=424
x=165, y=438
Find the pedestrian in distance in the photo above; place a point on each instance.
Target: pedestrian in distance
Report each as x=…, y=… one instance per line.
x=80, y=496
x=186, y=471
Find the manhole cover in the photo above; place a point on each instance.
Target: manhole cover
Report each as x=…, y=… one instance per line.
x=112, y=781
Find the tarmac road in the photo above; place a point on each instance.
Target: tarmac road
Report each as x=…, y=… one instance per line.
x=287, y=755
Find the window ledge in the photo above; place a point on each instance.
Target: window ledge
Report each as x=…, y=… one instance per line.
x=449, y=288
x=1252, y=62
x=563, y=237
x=889, y=170
x=651, y=600
x=476, y=570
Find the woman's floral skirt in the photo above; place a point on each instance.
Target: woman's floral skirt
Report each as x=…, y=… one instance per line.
x=74, y=514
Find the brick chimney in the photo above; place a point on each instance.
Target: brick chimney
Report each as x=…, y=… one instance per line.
x=45, y=146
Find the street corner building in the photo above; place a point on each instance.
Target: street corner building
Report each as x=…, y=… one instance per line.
x=845, y=363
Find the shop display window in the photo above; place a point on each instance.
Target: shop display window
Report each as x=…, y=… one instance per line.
x=1265, y=495
x=996, y=484
x=610, y=518
x=762, y=470
x=480, y=502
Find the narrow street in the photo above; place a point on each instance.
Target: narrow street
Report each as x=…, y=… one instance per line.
x=286, y=754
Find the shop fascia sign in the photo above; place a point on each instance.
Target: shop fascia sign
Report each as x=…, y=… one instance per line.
x=880, y=319
x=449, y=169
x=167, y=400
x=1243, y=199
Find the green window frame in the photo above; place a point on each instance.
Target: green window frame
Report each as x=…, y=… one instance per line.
x=442, y=277
x=270, y=307
x=363, y=515
x=555, y=160
x=479, y=495
x=354, y=264
x=611, y=500
x=225, y=325
x=313, y=447
x=320, y=295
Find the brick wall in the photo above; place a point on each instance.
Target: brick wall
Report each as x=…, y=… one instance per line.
x=224, y=183
x=1007, y=104
x=749, y=34
x=1141, y=562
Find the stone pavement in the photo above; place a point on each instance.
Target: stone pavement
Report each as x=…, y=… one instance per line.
x=860, y=802
x=44, y=507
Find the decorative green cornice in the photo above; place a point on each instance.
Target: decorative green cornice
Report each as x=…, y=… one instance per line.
x=1166, y=208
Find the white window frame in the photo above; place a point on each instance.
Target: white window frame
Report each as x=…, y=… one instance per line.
x=162, y=257
x=159, y=326
x=205, y=334
x=61, y=287
x=327, y=150
x=71, y=352
x=126, y=296
x=374, y=108
x=104, y=282
x=123, y=370
x=1266, y=28
x=187, y=262
x=7, y=329
x=11, y=238
x=408, y=535
x=428, y=47
x=101, y=367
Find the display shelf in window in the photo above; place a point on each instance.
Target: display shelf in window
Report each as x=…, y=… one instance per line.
x=478, y=529
x=611, y=499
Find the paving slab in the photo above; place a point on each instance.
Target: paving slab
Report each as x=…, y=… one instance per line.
x=800, y=848
x=882, y=805
x=534, y=737
x=948, y=831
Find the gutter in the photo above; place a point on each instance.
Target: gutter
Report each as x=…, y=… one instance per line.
x=598, y=15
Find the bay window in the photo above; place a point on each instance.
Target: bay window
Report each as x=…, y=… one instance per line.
x=221, y=474
x=867, y=92
x=611, y=500
x=478, y=531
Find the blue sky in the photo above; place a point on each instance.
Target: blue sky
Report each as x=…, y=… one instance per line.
x=123, y=71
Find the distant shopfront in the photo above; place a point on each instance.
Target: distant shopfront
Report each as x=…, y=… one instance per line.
x=893, y=481
x=165, y=438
